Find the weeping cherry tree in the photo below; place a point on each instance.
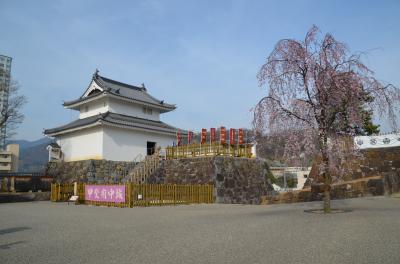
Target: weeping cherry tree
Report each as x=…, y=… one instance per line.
x=318, y=90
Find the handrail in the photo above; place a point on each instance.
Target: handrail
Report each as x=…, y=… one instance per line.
x=145, y=168
x=138, y=156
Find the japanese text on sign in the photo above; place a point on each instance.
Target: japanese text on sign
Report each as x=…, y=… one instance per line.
x=105, y=193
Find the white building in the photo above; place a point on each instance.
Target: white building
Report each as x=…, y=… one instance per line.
x=299, y=173
x=117, y=121
x=55, y=153
x=377, y=141
x=9, y=158
x=5, y=79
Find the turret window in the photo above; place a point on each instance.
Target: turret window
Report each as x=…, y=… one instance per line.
x=147, y=110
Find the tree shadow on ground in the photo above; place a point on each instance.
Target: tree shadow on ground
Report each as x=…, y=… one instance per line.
x=13, y=230
x=8, y=246
x=333, y=211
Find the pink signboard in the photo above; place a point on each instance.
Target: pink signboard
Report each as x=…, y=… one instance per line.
x=105, y=193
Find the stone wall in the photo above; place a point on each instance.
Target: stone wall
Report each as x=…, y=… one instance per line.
x=386, y=163
x=94, y=171
x=364, y=187
x=382, y=162
x=236, y=180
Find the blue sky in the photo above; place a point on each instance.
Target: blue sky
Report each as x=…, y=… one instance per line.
x=201, y=55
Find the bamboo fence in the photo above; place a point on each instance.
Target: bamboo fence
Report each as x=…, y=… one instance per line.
x=141, y=194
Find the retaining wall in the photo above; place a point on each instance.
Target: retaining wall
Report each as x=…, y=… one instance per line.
x=380, y=162
x=93, y=171
x=236, y=180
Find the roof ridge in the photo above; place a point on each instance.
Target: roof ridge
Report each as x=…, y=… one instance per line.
x=138, y=94
x=105, y=79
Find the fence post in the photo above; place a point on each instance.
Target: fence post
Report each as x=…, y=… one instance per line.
x=128, y=193
x=80, y=188
x=210, y=193
x=75, y=188
x=12, y=184
x=56, y=192
x=52, y=192
x=175, y=194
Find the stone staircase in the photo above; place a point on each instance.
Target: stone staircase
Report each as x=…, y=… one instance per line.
x=145, y=168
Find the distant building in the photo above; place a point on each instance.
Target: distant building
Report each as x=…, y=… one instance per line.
x=9, y=158
x=5, y=78
x=55, y=153
x=117, y=121
x=298, y=175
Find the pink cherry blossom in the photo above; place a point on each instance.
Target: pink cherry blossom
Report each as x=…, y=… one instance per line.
x=316, y=91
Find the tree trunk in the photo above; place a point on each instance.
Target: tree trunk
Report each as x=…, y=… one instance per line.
x=327, y=188
x=327, y=200
x=325, y=174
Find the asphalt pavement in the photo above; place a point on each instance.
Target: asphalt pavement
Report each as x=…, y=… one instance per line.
x=45, y=232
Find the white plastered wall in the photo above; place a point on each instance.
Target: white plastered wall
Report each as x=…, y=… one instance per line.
x=82, y=145
x=93, y=108
x=130, y=109
x=128, y=145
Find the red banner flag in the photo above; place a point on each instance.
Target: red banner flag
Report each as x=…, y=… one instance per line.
x=190, y=136
x=222, y=135
x=212, y=134
x=203, y=135
x=232, y=133
x=241, y=136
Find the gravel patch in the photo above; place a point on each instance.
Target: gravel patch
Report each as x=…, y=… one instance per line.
x=45, y=232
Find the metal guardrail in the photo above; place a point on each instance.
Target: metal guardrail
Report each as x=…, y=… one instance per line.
x=23, y=174
x=24, y=182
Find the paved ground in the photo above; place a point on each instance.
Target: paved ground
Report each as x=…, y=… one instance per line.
x=44, y=232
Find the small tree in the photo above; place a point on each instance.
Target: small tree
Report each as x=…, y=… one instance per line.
x=10, y=112
x=317, y=88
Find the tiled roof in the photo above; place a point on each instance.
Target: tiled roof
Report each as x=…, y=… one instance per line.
x=123, y=90
x=109, y=118
x=54, y=145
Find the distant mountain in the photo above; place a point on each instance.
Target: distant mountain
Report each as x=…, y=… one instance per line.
x=28, y=144
x=33, y=155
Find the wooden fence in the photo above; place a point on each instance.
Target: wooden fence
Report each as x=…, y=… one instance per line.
x=208, y=149
x=61, y=192
x=142, y=194
x=160, y=194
